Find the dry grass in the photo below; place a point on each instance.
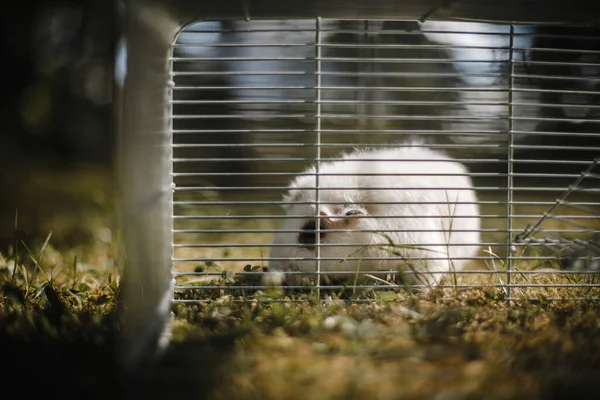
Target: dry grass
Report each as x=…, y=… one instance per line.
x=58, y=326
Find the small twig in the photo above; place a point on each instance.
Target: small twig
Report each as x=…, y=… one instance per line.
x=379, y=279
x=491, y=253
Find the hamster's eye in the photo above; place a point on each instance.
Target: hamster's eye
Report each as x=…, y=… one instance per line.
x=354, y=212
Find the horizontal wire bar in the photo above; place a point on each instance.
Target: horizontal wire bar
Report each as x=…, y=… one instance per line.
x=469, y=174
x=562, y=105
x=337, y=259
x=386, y=188
x=338, y=30
x=556, y=133
x=355, y=74
x=530, y=242
x=380, y=74
x=555, y=63
x=362, y=259
x=335, y=145
x=324, y=245
x=374, y=46
x=311, y=59
x=324, y=159
x=243, y=45
x=336, y=102
x=449, y=132
x=407, y=272
x=472, y=174
x=555, y=91
x=241, y=217
x=284, y=132
x=555, y=77
x=480, y=202
x=176, y=60
x=486, y=89
x=339, y=45
x=274, y=116
x=388, y=32
x=547, y=243
x=312, y=217
x=388, y=146
x=268, y=300
x=279, y=188
x=294, y=174
x=382, y=60
x=280, y=202
x=245, y=73
x=303, y=159
x=385, y=102
x=331, y=230
x=479, y=188
x=359, y=88
x=387, y=286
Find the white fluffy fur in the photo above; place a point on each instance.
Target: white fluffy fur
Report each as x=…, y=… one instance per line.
x=427, y=226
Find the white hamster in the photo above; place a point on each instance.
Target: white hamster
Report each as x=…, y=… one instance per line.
x=406, y=208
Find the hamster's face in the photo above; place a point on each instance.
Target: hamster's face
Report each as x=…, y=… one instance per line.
x=297, y=239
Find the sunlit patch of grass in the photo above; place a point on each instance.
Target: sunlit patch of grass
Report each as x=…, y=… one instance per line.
x=58, y=317
x=462, y=345
x=56, y=282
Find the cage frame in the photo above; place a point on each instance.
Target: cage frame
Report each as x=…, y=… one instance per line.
x=144, y=150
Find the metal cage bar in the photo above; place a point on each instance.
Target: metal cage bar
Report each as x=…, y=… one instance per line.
x=318, y=144
x=515, y=121
x=510, y=163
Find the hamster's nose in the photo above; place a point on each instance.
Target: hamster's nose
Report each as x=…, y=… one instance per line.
x=308, y=236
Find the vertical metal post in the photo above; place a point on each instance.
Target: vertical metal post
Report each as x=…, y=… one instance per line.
x=364, y=68
x=510, y=183
x=144, y=184
x=318, y=152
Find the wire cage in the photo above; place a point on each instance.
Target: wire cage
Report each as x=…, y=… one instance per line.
x=276, y=151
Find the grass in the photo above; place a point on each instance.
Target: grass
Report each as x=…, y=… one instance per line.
x=59, y=327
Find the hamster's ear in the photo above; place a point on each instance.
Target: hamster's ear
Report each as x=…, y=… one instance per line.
x=291, y=196
x=287, y=197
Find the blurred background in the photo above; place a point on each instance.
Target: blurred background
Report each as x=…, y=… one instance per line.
x=57, y=135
